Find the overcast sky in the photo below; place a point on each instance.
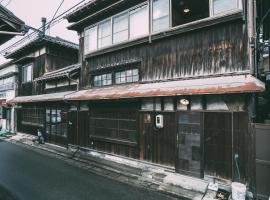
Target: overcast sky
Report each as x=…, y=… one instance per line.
x=31, y=11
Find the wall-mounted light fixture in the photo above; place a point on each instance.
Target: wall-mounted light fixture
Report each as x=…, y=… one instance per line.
x=186, y=10
x=184, y=102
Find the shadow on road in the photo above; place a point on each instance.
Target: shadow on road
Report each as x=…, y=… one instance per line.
x=5, y=194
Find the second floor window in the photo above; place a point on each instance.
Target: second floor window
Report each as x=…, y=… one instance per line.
x=139, y=25
x=103, y=80
x=91, y=39
x=131, y=24
x=27, y=73
x=120, y=28
x=161, y=18
x=104, y=34
x=134, y=23
x=220, y=6
x=119, y=77
x=127, y=76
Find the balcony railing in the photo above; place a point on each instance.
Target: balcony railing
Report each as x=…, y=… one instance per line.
x=7, y=86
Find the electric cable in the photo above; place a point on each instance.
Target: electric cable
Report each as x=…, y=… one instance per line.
x=54, y=21
x=48, y=27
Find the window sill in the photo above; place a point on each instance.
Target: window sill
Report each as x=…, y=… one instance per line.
x=195, y=25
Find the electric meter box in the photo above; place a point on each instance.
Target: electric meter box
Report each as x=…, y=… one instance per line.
x=159, y=121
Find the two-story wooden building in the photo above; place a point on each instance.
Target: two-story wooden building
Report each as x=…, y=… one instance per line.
x=168, y=81
x=47, y=71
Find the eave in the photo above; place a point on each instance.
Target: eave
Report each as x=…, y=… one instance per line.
x=212, y=85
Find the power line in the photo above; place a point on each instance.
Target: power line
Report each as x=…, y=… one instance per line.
x=54, y=21
x=55, y=13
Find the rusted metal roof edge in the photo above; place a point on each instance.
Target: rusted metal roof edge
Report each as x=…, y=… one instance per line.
x=40, y=98
x=133, y=91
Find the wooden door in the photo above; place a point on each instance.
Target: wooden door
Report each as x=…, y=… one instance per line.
x=158, y=145
x=218, y=144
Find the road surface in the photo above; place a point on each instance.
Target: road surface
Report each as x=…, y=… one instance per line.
x=29, y=175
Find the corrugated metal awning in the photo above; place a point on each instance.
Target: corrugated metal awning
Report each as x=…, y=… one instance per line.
x=211, y=85
x=40, y=98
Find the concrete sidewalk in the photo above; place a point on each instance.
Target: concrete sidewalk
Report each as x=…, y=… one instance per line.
x=126, y=170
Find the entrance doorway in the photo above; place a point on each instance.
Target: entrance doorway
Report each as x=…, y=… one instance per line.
x=189, y=147
x=157, y=145
x=218, y=144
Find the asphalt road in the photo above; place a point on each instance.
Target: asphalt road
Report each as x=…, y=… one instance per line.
x=27, y=175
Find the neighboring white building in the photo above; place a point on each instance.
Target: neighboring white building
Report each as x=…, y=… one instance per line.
x=8, y=80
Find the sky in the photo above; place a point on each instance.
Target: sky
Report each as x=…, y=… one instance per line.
x=31, y=12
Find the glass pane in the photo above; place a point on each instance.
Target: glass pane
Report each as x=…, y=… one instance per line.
x=158, y=104
x=139, y=22
x=48, y=115
x=160, y=14
x=29, y=73
x=224, y=5
x=104, y=34
x=120, y=36
x=168, y=104
x=105, y=41
x=129, y=79
x=53, y=116
x=24, y=71
x=58, y=117
x=147, y=104
x=120, y=28
x=129, y=72
x=63, y=82
x=117, y=77
x=91, y=39
x=135, y=78
x=160, y=24
x=135, y=72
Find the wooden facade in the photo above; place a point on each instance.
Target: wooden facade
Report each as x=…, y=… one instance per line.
x=45, y=55
x=213, y=50
x=208, y=137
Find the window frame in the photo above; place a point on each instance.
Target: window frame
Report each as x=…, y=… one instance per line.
x=128, y=26
x=212, y=13
x=101, y=80
x=149, y=6
x=169, y=16
x=113, y=77
x=146, y=3
x=31, y=74
x=126, y=76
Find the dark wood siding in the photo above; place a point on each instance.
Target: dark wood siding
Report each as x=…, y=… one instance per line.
x=211, y=50
x=56, y=58
x=114, y=128
x=158, y=145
